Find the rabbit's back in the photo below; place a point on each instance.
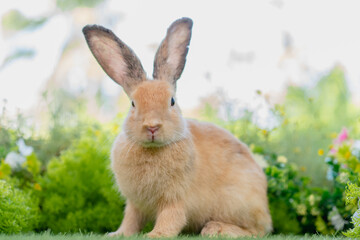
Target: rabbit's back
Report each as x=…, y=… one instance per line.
x=221, y=152
x=228, y=185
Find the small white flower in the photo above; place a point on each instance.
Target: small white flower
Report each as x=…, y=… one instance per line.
x=356, y=216
x=301, y=209
x=329, y=174
x=312, y=200
x=356, y=148
x=336, y=219
x=260, y=160
x=343, y=177
x=281, y=159
x=356, y=144
x=23, y=148
x=14, y=159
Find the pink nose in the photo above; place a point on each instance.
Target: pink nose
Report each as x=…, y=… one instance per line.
x=153, y=129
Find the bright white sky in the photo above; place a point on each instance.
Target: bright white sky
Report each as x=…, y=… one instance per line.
x=324, y=33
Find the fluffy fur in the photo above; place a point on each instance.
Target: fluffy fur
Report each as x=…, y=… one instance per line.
x=184, y=175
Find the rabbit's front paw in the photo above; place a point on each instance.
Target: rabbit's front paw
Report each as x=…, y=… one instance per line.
x=211, y=229
x=154, y=234
x=114, y=234
x=159, y=234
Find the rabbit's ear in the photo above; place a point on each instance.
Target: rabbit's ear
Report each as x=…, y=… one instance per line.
x=171, y=55
x=117, y=59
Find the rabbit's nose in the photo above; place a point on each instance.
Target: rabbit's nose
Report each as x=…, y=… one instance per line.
x=153, y=129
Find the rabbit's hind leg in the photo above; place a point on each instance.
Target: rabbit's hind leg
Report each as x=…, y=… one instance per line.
x=214, y=228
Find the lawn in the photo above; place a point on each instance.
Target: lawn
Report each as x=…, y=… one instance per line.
x=97, y=236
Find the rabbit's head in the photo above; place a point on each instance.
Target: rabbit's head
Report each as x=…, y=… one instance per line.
x=154, y=118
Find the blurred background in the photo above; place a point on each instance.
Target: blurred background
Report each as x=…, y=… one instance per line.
x=245, y=56
x=282, y=76
x=237, y=48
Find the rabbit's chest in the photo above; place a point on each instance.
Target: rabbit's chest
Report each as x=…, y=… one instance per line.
x=148, y=179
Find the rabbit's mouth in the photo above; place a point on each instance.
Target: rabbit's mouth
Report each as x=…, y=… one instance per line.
x=153, y=136
x=152, y=144
x=153, y=140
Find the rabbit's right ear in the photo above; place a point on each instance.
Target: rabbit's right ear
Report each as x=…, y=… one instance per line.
x=171, y=56
x=118, y=61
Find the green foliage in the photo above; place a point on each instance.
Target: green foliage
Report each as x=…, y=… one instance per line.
x=309, y=117
x=24, y=176
x=312, y=209
x=17, y=210
x=27, y=176
x=344, y=167
x=353, y=200
x=59, y=138
x=19, y=53
x=71, y=4
x=68, y=178
x=11, y=131
x=65, y=122
x=18, y=196
x=344, y=170
x=307, y=121
x=5, y=170
x=78, y=189
x=94, y=236
x=79, y=204
x=14, y=20
x=283, y=220
x=7, y=141
x=8, y=135
x=293, y=205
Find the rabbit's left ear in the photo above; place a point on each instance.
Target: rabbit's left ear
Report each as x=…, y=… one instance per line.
x=171, y=55
x=115, y=57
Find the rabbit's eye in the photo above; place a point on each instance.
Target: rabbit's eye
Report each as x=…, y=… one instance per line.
x=132, y=103
x=172, y=101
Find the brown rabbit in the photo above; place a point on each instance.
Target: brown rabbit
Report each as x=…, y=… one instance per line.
x=183, y=174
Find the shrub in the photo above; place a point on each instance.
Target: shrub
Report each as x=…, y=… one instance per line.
x=344, y=171
x=20, y=175
x=17, y=210
x=353, y=200
x=293, y=205
x=78, y=189
x=7, y=141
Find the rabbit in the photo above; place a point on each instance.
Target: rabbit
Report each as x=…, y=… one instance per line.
x=185, y=175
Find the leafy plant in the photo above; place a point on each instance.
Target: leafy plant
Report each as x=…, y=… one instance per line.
x=78, y=188
x=18, y=211
x=344, y=171
x=353, y=200
x=293, y=205
x=311, y=209
x=7, y=142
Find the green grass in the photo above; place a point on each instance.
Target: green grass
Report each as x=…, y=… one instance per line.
x=46, y=235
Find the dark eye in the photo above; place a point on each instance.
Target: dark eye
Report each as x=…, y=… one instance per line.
x=172, y=101
x=132, y=103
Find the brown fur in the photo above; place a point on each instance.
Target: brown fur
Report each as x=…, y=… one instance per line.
x=187, y=176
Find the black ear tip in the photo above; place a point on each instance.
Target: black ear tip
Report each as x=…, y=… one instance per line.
x=94, y=27
x=182, y=21
x=86, y=29
x=186, y=20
